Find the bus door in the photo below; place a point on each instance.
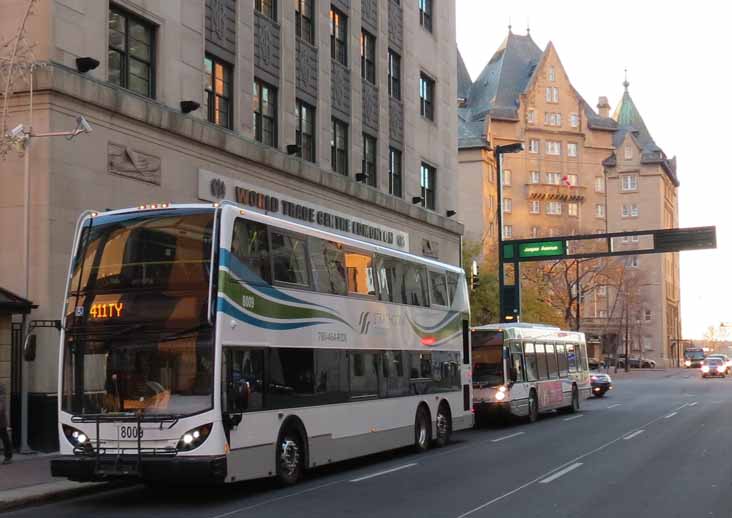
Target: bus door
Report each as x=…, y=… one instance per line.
x=517, y=375
x=242, y=385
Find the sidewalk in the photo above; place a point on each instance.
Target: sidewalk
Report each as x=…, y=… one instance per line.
x=28, y=479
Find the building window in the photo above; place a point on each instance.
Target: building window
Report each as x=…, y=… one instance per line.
x=534, y=207
x=554, y=208
x=534, y=231
x=535, y=177
x=305, y=132
x=572, y=209
x=634, y=239
x=552, y=75
x=219, y=87
x=507, y=178
x=339, y=147
x=267, y=8
x=629, y=182
x=572, y=149
x=552, y=119
x=570, y=180
x=574, y=120
x=507, y=205
x=531, y=116
x=427, y=184
x=425, y=14
x=628, y=151
x=368, y=57
x=633, y=261
x=599, y=184
x=553, y=147
x=602, y=313
x=600, y=210
x=395, y=172
x=264, y=107
x=533, y=145
x=368, y=163
x=631, y=211
x=602, y=290
x=553, y=178
x=507, y=231
x=338, y=36
x=304, y=27
x=395, y=75
x=647, y=315
x=131, y=53
x=426, y=97
x=552, y=94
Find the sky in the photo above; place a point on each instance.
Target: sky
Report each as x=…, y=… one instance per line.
x=677, y=56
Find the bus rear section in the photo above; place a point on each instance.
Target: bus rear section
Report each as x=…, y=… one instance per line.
x=525, y=369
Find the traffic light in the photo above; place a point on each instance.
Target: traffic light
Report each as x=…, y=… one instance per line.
x=474, y=275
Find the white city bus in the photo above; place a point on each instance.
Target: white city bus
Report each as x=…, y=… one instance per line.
x=214, y=343
x=525, y=369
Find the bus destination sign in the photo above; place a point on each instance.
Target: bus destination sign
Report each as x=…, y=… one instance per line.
x=542, y=249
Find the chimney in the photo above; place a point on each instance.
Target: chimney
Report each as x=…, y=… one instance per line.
x=603, y=107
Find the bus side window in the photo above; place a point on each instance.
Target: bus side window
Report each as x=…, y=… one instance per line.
x=391, y=275
x=532, y=370
x=438, y=289
x=551, y=360
x=452, y=286
x=517, y=368
x=416, y=285
x=541, y=361
x=250, y=246
x=328, y=263
x=582, y=365
x=289, y=258
x=562, y=358
x=360, y=273
x=571, y=358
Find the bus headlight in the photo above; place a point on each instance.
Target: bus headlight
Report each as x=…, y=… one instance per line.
x=687, y=363
x=192, y=439
x=77, y=438
x=500, y=396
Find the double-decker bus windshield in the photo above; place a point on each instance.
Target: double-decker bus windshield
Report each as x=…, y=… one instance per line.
x=137, y=335
x=487, y=347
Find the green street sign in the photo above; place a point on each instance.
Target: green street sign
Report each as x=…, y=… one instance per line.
x=542, y=249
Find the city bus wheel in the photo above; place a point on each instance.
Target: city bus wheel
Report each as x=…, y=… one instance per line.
x=575, y=406
x=443, y=425
x=533, y=407
x=290, y=458
x=422, y=430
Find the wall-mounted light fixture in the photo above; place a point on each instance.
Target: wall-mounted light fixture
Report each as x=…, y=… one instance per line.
x=293, y=149
x=85, y=64
x=417, y=199
x=450, y=213
x=189, y=106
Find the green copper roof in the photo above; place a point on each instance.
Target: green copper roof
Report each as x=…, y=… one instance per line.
x=629, y=118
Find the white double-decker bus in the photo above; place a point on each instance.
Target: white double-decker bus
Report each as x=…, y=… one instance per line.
x=214, y=343
x=525, y=369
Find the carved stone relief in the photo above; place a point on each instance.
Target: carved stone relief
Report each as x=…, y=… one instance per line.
x=307, y=69
x=267, y=45
x=370, y=105
x=396, y=120
x=396, y=35
x=125, y=161
x=370, y=14
x=341, y=89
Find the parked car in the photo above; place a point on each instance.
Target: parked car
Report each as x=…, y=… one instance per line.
x=595, y=364
x=637, y=363
x=713, y=367
x=724, y=358
x=600, y=383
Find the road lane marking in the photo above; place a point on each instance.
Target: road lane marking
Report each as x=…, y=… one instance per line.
x=682, y=406
x=670, y=415
x=386, y=471
x=508, y=437
x=560, y=473
x=531, y=482
x=694, y=403
x=574, y=417
x=634, y=434
x=614, y=405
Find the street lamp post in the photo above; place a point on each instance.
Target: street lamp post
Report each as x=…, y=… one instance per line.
x=499, y=152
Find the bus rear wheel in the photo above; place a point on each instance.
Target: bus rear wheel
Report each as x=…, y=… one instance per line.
x=443, y=425
x=422, y=430
x=533, y=407
x=290, y=458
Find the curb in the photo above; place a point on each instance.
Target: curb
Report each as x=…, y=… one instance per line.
x=52, y=491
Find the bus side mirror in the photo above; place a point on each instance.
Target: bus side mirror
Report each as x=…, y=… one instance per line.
x=29, y=348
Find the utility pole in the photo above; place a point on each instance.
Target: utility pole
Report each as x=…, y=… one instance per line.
x=579, y=296
x=627, y=337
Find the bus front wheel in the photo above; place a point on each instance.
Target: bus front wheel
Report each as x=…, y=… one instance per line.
x=422, y=430
x=290, y=457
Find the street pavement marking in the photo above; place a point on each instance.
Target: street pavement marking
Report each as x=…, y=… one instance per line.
x=508, y=437
x=634, y=434
x=694, y=403
x=392, y=470
x=614, y=405
x=670, y=415
x=682, y=406
x=560, y=473
x=574, y=417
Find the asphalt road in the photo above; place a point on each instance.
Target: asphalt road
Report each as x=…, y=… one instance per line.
x=659, y=445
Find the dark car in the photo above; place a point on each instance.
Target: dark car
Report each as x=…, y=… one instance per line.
x=637, y=363
x=600, y=383
x=713, y=367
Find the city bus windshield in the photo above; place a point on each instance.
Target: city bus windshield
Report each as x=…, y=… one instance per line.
x=137, y=331
x=694, y=354
x=487, y=347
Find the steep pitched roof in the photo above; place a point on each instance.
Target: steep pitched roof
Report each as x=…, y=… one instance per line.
x=463, y=78
x=630, y=121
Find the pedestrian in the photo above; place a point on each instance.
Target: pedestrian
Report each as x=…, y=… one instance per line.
x=7, y=447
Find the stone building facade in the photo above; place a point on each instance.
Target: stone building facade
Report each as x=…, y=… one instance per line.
x=566, y=180
x=346, y=104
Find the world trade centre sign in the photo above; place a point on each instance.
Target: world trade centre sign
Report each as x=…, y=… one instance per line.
x=214, y=187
